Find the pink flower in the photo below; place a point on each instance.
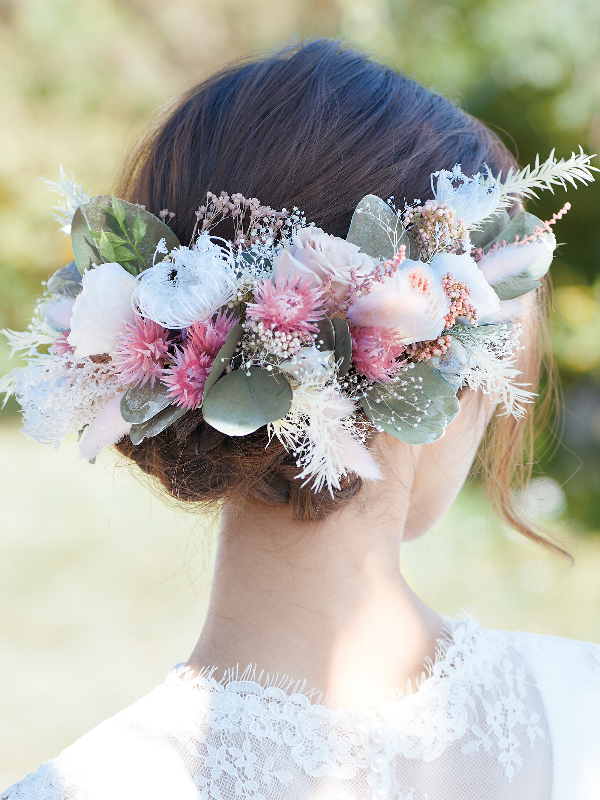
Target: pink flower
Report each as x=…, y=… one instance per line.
x=61, y=345
x=290, y=305
x=412, y=302
x=208, y=337
x=141, y=352
x=320, y=258
x=374, y=353
x=186, y=378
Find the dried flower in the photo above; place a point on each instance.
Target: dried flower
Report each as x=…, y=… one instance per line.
x=289, y=305
x=141, y=352
x=375, y=352
x=207, y=338
x=187, y=376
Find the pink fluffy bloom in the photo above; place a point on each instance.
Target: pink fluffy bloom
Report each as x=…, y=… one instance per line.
x=186, y=378
x=60, y=346
x=141, y=352
x=374, y=353
x=208, y=337
x=289, y=305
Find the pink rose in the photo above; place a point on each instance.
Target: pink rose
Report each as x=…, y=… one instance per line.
x=412, y=302
x=315, y=256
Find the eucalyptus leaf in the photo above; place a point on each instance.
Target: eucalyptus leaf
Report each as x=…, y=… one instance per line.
x=140, y=403
x=244, y=401
x=156, y=425
x=325, y=337
x=416, y=408
x=66, y=281
x=224, y=356
x=99, y=215
x=516, y=286
x=521, y=225
x=378, y=231
x=85, y=250
x=490, y=229
x=343, y=345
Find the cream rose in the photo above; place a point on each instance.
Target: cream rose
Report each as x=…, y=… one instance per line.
x=315, y=256
x=412, y=302
x=465, y=270
x=101, y=309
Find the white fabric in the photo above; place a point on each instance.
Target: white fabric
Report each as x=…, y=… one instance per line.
x=500, y=716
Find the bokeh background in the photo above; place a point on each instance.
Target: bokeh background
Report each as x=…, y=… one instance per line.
x=102, y=587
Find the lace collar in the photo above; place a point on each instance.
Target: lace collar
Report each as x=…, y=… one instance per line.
x=338, y=741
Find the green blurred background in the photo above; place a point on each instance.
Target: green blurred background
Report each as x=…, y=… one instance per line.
x=103, y=588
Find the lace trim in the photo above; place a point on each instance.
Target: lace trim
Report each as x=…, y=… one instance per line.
x=470, y=664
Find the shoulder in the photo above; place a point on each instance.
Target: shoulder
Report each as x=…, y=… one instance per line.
x=566, y=673
x=128, y=755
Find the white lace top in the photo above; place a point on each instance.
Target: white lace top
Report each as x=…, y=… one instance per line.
x=501, y=716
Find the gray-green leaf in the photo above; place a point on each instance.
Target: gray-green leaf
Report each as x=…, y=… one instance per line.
x=244, y=401
x=85, y=249
x=490, y=228
x=224, y=356
x=515, y=286
x=325, y=338
x=156, y=425
x=378, y=231
x=343, y=345
x=66, y=281
x=416, y=408
x=140, y=403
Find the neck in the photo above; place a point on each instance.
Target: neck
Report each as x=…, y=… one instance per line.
x=325, y=602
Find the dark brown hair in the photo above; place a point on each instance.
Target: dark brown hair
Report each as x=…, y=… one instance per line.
x=316, y=126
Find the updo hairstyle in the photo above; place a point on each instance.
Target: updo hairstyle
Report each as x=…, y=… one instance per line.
x=316, y=126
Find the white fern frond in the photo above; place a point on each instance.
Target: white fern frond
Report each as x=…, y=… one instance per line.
x=551, y=172
x=73, y=196
x=27, y=341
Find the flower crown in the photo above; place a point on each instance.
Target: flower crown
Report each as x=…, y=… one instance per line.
x=323, y=340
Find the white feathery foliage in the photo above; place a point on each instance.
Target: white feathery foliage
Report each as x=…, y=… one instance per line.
x=188, y=286
x=59, y=395
x=491, y=365
x=545, y=175
x=320, y=429
x=27, y=341
x=73, y=196
x=473, y=199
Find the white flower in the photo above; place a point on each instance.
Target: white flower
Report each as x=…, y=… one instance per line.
x=188, y=286
x=315, y=256
x=310, y=363
x=473, y=199
x=412, y=302
x=101, y=309
x=465, y=270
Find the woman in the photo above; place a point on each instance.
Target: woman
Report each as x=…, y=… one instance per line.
x=252, y=369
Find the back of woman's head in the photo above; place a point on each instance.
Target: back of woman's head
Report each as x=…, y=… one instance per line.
x=317, y=126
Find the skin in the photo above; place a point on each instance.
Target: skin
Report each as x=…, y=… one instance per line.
x=326, y=602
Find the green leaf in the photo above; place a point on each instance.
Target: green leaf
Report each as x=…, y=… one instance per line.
x=490, y=228
x=343, y=345
x=100, y=215
x=85, y=250
x=138, y=229
x=325, y=337
x=141, y=403
x=118, y=211
x=416, y=408
x=224, y=356
x=66, y=281
x=107, y=251
x=516, y=286
x=378, y=231
x=244, y=401
x=156, y=425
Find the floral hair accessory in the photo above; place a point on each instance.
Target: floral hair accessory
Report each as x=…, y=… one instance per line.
x=323, y=340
